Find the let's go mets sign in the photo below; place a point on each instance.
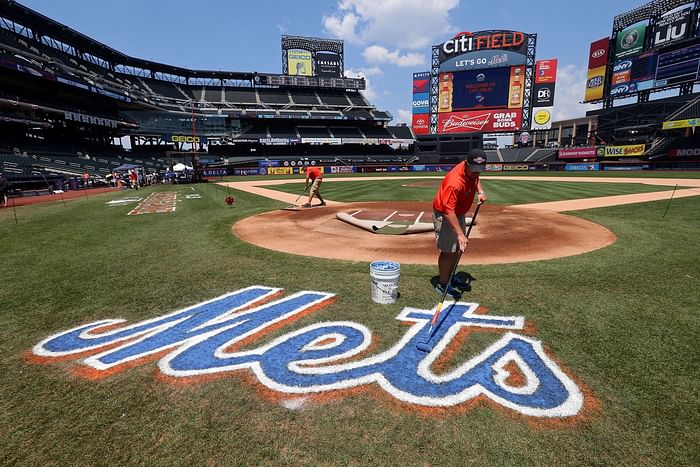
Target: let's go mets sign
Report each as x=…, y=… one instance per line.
x=220, y=336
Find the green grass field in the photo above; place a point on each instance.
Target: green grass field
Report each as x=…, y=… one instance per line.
x=622, y=320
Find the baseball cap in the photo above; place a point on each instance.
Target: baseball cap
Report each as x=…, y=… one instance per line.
x=476, y=160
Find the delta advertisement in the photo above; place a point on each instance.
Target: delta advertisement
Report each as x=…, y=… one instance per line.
x=477, y=121
x=630, y=41
x=299, y=62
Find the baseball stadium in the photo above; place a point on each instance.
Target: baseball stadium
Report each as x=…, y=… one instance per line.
x=246, y=268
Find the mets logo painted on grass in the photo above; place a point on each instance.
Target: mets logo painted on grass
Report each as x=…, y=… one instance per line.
x=218, y=336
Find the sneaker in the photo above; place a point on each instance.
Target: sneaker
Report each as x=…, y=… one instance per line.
x=463, y=281
x=306, y=205
x=451, y=291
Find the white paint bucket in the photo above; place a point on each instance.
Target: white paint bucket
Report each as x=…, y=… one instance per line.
x=384, y=277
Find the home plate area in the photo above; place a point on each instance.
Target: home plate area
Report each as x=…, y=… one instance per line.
x=502, y=234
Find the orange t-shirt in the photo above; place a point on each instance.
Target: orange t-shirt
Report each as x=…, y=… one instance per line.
x=313, y=173
x=456, y=192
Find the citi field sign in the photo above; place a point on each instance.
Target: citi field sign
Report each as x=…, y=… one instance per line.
x=468, y=42
x=224, y=335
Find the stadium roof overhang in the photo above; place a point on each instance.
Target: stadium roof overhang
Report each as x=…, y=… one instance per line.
x=13, y=11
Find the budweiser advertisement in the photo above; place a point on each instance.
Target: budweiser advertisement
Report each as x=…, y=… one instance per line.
x=421, y=124
x=480, y=121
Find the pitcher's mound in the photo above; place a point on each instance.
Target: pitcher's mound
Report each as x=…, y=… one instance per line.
x=503, y=234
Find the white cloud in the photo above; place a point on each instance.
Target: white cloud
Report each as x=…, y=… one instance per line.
x=403, y=24
x=342, y=27
x=571, y=87
x=403, y=116
x=376, y=54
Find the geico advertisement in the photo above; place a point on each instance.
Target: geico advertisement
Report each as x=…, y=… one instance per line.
x=184, y=139
x=488, y=121
x=622, y=151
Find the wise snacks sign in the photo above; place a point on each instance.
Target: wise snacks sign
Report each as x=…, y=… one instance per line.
x=480, y=121
x=224, y=336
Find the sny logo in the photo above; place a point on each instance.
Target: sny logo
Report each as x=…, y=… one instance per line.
x=217, y=335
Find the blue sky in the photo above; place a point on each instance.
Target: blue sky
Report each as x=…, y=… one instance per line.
x=385, y=40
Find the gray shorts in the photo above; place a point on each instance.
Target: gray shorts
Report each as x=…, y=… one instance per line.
x=445, y=236
x=316, y=185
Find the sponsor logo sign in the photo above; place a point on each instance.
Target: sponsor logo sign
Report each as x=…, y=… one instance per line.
x=189, y=139
x=515, y=167
x=299, y=62
x=578, y=153
x=542, y=119
x=222, y=336
x=598, y=55
x=546, y=71
x=543, y=95
x=421, y=124
x=686, y=152
x=675, y=124
x=621, y=151
x=582, y=167
x=421, y=103
x=476, y=121
x=594, y=84
x=671, y=27
x=483, y=59
x=630, y=41
x=466, y=42
x=328, y=65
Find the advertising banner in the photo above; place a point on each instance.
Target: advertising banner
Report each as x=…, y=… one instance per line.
x=546, y=71
x=594, y=84
x=578, y=153
x=483, y=59
x=630, y=41
x=484, y=89
x=582, y=167
x=467, y=42
x=671, y=27
x=676, y=124
x=515, y=167
x=421, y=124
x=486, y=121
x=328, y=65
x=421, y=82
x=598, y=55
x=621, y=151
x=280, y=171
x=686, y=152
x=516, y=87
x=421, y=103
x=678, y=66
x=633, y=74
x=543, y=95
x=299, y=62
x=542, y=118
